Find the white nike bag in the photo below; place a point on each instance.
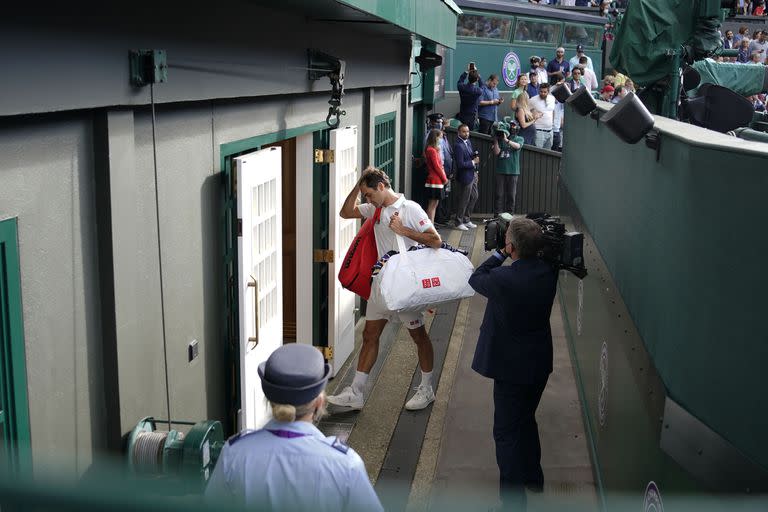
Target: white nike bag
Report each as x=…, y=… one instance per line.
x=415, y=280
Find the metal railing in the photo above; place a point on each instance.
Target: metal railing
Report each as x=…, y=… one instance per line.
x=536, y=188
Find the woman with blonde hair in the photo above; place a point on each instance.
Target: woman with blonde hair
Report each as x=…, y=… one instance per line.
x=436, y=178
x=289, y=464
x=525, y=119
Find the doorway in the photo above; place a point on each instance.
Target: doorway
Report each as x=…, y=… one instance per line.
x=288, y=147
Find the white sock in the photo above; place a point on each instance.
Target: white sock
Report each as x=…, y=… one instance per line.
x=426, y=378
x=359, y=382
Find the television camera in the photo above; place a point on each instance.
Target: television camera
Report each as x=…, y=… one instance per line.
x=561, y=249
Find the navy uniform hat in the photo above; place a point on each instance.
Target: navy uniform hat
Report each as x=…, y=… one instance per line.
x=294, y=374
x=437, y=116
x=579, y=48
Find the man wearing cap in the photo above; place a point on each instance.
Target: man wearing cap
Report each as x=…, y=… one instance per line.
x=606, y=93
x=574, y=61
x=558, y=65
x=289, y=464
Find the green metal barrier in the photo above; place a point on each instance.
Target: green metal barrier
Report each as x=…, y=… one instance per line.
x=536, y=188
x=666, y=330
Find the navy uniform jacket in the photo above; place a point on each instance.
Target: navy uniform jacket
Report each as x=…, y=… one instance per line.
x=515, y=340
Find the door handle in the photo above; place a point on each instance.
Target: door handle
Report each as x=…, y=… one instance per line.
x=254, y=339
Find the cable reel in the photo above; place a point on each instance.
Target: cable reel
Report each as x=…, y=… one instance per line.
x=190, y=456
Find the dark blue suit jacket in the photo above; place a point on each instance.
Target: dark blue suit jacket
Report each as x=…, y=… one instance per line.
x=463, y=153
x=515, y=340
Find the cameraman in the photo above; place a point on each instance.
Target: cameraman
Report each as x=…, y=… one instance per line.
x=515, y=350
x=507, y=153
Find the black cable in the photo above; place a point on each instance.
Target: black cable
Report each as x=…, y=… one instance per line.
x=160, y=256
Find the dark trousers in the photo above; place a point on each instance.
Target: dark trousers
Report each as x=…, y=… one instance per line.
x=516, y=433
x=506, y=190
x=557, y=141
x=443, y=213
x=485, y=126
x=468, y=195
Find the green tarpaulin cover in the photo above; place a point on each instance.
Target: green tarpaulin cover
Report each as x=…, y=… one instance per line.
x=648, y=29
x=745, y=79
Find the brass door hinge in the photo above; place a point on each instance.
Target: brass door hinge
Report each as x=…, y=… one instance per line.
x=327, y=352
x=323, y=256
x=324, y=156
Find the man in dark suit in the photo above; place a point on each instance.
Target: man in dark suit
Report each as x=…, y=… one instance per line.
x=465, y=162
x=515, y=350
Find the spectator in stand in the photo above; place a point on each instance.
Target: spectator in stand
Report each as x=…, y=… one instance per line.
x=507, y=151
x=521, y=87
x=742, y=34
x=489, y=104
x=576, y=82
x=759, y=9
x=535, y=59
x=756, y=58
x=466, y=160
x=469, y=97
x=542, y=71
x=589, y=78
x=606, y=93
x=559, y=64
x=557, y=126
x=533, y=85
x=629, y=85
x=618, y=78
x=728, y=41
x=743, y=56
x=543, y=107
x=436, y=178
x=619, y=94
x=760, y=44
x=576, y=59
x=526, y=118
x=758, y=105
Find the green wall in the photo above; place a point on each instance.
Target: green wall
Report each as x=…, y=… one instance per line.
x=432, y=19
x=683, y=240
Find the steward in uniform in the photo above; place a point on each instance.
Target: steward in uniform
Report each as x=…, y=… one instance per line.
x=289, y=464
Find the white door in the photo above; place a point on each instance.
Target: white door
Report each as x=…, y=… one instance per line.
x=260, y=275
x=344, y=175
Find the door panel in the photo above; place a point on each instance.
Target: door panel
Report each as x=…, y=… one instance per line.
x=259, y=211
x=343, y=176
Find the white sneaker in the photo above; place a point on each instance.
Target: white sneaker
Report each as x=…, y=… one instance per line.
x=470, y=225
x=462, y=227
x=423, y=397
x=347, y=398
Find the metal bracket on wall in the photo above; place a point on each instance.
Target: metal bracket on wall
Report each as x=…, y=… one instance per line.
x=325, y=156
x=327, y=352
x=653, y=141
x=321, y=64
x=323, y=256
x=148, y=67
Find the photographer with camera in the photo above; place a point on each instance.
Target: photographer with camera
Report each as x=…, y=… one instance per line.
x=507, y=153
x=515, y=350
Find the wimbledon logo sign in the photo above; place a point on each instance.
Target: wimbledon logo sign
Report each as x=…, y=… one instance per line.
x=510, y=69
